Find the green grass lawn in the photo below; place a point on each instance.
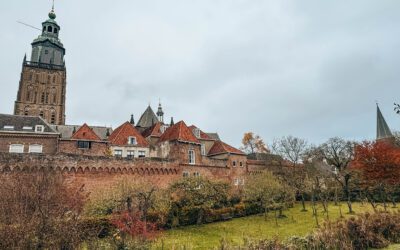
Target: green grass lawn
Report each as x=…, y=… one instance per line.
x=255, y=227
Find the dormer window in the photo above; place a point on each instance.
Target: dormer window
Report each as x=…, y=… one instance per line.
x=162, y=129
x=196, y=132
x=7, y=127
x=132, y=140
x=39, y=128
x=27, y=128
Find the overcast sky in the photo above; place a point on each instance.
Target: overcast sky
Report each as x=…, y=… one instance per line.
x=311, y=69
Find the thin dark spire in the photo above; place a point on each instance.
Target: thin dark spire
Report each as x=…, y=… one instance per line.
x=132, y=120
x=172, y=121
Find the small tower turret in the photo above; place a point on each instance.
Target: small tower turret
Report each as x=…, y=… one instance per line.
x=132, y=121
x=160, y=113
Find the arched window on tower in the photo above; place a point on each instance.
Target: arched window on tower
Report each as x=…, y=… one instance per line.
x=42, y=97
x=49, y=29
x=44, y=28
x=26, y=111
x=55, y=30
x=47, y=97
x=53, y=117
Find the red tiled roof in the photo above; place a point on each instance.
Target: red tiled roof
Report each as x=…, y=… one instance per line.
x=203, y=135
x=220, y=147
x=121, y=134
x=85, y=133
x=154, y=130
x=179, y=132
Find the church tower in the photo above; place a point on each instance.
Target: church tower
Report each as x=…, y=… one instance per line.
x=42, y=86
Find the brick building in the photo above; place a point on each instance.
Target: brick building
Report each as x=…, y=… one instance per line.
x=42, y=87
x=27, y=134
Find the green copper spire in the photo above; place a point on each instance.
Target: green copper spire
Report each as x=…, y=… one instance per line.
x=52, y=14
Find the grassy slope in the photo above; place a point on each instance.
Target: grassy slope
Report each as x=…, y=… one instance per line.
x=208, y=236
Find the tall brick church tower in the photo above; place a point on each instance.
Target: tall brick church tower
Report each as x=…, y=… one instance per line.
x=43, y=79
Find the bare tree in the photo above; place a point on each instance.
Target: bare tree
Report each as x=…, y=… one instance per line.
x=338, y=153
x=290, y=148
x=293, y=149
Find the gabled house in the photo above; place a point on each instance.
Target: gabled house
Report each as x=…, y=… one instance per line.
x=206, y=141
x=154, y=133
x=27, y=134
x=127, y=142
x=178, y=142
x=221, y=150
x=84, y=141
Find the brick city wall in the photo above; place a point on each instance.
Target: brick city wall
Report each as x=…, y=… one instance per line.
x=102, y=172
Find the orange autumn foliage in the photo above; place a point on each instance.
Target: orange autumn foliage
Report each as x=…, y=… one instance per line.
x=378, y=162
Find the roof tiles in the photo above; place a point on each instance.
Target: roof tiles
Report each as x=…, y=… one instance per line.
x=179, y=132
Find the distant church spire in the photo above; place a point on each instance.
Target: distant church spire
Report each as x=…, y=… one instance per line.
x=172, y=121
x=160, y=113
x=382, y=129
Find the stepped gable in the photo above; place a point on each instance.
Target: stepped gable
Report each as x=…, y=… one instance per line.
x=203, y=136
x=154, y=130
x=122, y=133
x=220, y=147
x=85, y=133
x=179, y=132
x=148, y=118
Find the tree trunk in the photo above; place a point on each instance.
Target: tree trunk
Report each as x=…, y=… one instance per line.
x=336, y=197
x=393, y=200
x=303, y=203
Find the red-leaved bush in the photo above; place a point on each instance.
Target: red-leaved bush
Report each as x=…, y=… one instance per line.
x=132, y=224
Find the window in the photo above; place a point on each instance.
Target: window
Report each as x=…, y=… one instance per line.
x=192, y=157
x=131, y=154
x=141, y=154
x=234, y=163
x=35, y=148
x=84, y=144
x=132, y=140
x=185, y=174
x=41, y=114
x=53, y=118
x=27, y=128
x=7, y=127
x=49, y=29
x=39, y=128
x=241, y=164
x=203, y=149
x=238, y=182
x=196, y=132
x=55, y=30
x=42, y=98
x=118, y=153
x=16, y=148
x=46, y=52
x=196, y=174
